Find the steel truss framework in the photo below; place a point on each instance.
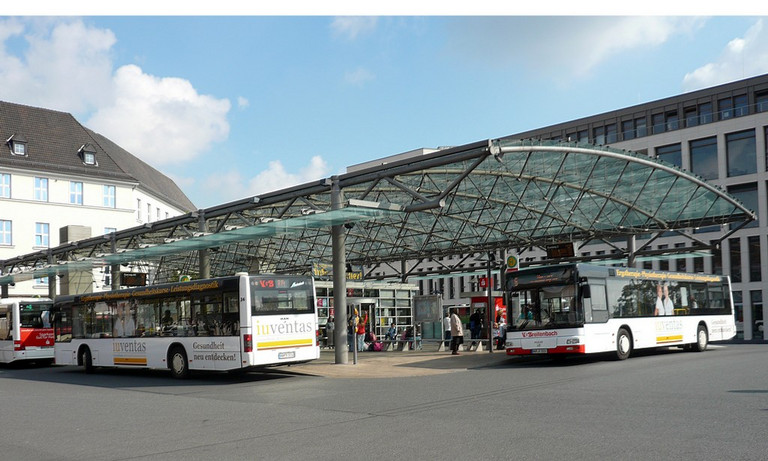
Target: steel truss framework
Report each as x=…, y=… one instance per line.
x=485, y=196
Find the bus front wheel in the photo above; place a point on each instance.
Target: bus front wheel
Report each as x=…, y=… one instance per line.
x=623, y=344
x=86, y=359
x=177, y=360
x=702, y=339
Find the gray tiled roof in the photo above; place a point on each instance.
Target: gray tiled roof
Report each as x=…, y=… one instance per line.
x=53, y=140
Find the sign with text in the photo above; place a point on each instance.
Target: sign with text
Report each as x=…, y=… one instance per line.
x=133, y=279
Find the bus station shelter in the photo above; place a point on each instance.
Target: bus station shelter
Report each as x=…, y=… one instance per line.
x=481, y=197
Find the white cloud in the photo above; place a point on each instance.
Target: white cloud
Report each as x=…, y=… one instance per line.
x=359, y=76
x=242, y=102
x=563, y=46
x=352, y=26
x=276, y=177
x=162, y=120
x=231, y=185
x=742, y=57
x=67, y=65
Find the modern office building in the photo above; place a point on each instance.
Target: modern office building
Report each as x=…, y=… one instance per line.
x=718, y=133
x=60, y=182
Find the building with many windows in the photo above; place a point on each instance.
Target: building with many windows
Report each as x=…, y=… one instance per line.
x=60, y=181
x=718, y=133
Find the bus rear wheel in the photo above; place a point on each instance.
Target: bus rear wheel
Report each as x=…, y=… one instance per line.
x=177, y=361
x=86, y=359
x=702, y=339
x=623, y=344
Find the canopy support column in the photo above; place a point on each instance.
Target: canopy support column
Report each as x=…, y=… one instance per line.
x=631, y=251
x=203, y=255
x=338, y=242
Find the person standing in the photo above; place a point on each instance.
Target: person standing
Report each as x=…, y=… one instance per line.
x=457, y=333
x=330, y=326
x=475, y=324
x=361, y=324
x=447, y=328
x=352, y=322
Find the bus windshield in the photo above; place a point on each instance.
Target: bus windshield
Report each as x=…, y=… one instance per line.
x=281, y=295
x=34, y=315
x=547, y=306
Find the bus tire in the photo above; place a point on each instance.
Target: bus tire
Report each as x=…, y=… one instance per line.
x=702, y=339
x=86, y=359
x=623, y=344
x=177, y=362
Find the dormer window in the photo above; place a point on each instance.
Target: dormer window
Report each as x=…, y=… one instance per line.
x=88, y=154
x=18, y=145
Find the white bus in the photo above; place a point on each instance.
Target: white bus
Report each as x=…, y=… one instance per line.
x=583, y=309
x=223, y=324
x=25, y=330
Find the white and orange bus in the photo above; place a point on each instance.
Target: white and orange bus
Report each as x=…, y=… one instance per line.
x=584, y=308
x=25, y=330
x=224, y=324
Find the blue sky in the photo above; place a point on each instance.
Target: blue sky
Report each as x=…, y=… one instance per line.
x=233, y=106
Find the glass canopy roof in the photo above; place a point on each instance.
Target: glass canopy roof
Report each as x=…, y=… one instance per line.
x=490, y=195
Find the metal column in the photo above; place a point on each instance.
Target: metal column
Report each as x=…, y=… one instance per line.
x=338, y=240
x=203, y=255
x=631, y=251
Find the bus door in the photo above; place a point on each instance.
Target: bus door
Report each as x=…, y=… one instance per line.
x=6, y=333
x=594, y=301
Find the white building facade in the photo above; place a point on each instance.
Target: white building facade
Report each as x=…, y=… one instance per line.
x=56, y=174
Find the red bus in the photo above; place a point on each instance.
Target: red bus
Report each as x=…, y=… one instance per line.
x=26, y=332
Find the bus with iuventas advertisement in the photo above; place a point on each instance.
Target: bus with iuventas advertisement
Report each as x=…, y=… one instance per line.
x=584, y=308
x=25, y=330
x=220, y=324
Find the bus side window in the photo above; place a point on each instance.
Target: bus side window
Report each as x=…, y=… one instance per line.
x=5, y=330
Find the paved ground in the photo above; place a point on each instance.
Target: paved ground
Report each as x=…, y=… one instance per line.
x=416, y=363
x=399, y=363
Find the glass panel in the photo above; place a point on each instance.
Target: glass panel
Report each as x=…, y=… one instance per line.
x=741, y=153
x=628, y=130
x=704, y=157
x=735, y=252
x=746, y=194
x=657, y=122
x=741, y=107
x=671, y=154
x=761, y=101
x=691, y=117
x=753, y=248
x=640, y=127
x=725, y=106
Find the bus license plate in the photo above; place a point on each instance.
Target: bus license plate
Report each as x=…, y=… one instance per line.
x=286, y=355
x=538, y=351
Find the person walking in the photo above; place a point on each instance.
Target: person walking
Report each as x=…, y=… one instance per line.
x=447, y=328
x=457, y=333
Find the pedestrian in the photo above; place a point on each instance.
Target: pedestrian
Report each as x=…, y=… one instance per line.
x=391, y=332
x=475, y=324
x=447, y=328
x=330, y=326
x=352, y=322
x=457, y=333
x=361, y=332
